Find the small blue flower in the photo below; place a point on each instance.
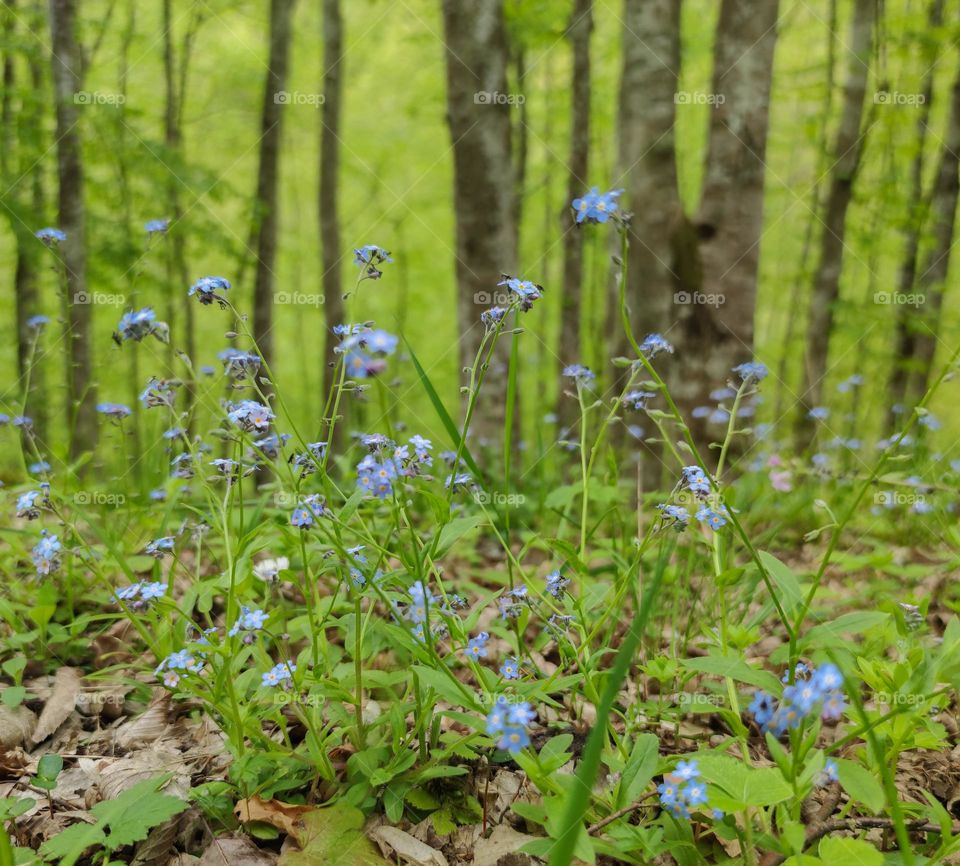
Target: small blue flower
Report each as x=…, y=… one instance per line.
x=714, y=519
x=596, y=207
x=492, y=317
x=368, y=258
x=51, y=237
x=117, y=411
x=157, y=227
x=637, y=400
x=207, y=288
x=677, y=515
x=819, y=413
x=160, y=546
x=751, y=371
x=526, y=291
x=556, y=583
x=37, y=323
x=250, y=416
x=510, y=669
x=137, y=324
x=239, y=364
x=46, y=554
x=580, y=374
x=653, y=345
x=477, y=646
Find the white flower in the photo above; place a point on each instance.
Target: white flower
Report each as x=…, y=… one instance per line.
x=268, y=569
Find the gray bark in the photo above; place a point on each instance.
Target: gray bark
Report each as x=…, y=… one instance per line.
x=66, y=58
x=476, y=63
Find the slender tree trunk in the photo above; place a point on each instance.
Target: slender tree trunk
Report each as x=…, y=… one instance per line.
x=847, y=151
x=521, y=143
x=329, y=191
x=176, y=262
x=21, y=137
x=267, y=217
x=67, y=80
x=647, y=163
x=476, y=60
x=578, y=32
x=933, y=276
x=905, y=339
x=716, y=326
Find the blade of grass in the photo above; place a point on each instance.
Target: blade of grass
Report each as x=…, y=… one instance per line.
x=579, y=799
x=442, y=413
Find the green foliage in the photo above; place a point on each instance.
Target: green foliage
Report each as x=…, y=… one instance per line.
x=119, y=822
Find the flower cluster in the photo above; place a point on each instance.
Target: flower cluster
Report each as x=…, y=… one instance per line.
x=279, y=675
x=365, y=349
x=312, y=507
x=238, y=364
x=178, y=661
x=249, y=621
x=157, y=227
x=814, y=692
x=160, y=546
x=526, y=291
x=581, y=375
x=206, y=289
x=51, y=237
x=139, y=595
x=653, y=345
x=596, y=207
x=116, y=411
x=46, y=554
x=751, y=371
x=509, y=721
x=137, y=324
x=250, y=416
x=29, y=503
x=683, y=791
x=368, y=258
x=376, y=477
x=159, y=392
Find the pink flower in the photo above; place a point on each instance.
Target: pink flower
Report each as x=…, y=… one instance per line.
x=781, y=481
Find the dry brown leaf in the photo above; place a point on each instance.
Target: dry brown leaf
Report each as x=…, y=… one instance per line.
x=285, y=817
x=503, y=840
x=16, y=726
x=117, y=775
x=408, y=849
x=236, y=850
x=62, y=702
x=149, y=726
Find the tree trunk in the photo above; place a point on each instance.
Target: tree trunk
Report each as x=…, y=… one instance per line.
x=479, y=121
x=847, y=150
x=647, y=164
x=905, y=339
x=329, y=197
x=578, y=32
x=266, y=214
x=716, y=326
x=930, y=283
x=67, y=81
x=176, y=261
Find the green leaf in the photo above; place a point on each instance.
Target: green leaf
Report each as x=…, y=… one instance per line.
x=332, y=837
x=791, y=595
x=860, y=784
x=735, y=668
x=831, y=633
x=442, y=413
x=13, y=696
x=846, y=851
x=639, y=770
x=455, y=530
x=49, y=766
x=743, y=785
